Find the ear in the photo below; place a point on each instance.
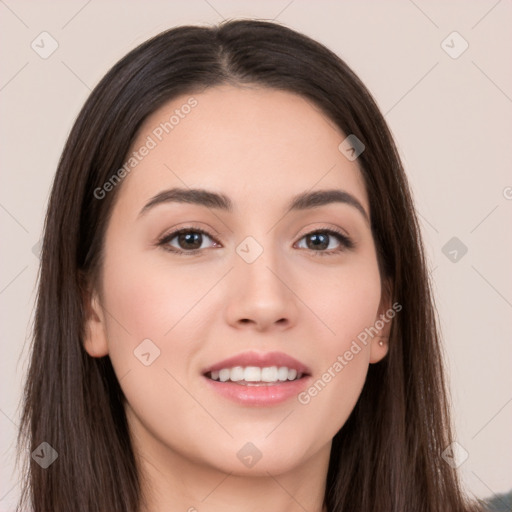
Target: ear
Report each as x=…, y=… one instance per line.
x=380, y=342
x=95, y=332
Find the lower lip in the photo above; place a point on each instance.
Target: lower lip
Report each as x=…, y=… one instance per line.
x=261, y=395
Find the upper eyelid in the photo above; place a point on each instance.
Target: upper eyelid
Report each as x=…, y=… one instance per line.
x=176, y=232
x=307, y=230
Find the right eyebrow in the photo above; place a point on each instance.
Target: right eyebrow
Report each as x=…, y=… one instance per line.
x=194, y=196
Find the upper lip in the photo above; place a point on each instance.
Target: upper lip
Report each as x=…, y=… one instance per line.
x=261, y=360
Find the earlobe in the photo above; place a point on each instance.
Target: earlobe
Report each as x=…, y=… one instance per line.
x=380, y=343
x=379, y=349
x=95, y=336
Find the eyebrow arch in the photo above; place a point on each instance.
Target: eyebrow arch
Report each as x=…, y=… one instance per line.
x=202, y=197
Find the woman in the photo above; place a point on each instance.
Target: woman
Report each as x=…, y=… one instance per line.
x=234, y=309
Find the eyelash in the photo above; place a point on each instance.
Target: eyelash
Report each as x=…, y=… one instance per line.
x=346, y=243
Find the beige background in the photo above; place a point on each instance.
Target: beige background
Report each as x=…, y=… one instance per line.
x=451, y=118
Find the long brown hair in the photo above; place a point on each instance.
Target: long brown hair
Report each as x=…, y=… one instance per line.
x=387, y=456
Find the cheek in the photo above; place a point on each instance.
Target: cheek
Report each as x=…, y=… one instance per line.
x=348, y=305
x=150, y=302
x=151, y=299
x=347, y=301
x=357, y=309
x=150, y=315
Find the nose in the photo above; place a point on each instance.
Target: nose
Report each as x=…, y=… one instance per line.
x=261, y=295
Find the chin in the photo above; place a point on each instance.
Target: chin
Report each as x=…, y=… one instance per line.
x=259, y=459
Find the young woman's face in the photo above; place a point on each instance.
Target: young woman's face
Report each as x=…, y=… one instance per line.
x=266, y=281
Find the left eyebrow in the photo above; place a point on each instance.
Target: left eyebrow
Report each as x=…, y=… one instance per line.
x=318, y=198
x=202, y=197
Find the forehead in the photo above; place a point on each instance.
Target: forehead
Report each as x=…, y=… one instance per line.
x=251, y=143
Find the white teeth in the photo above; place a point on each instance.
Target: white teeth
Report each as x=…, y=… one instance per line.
x=237, y=373
x=252, y=374
x=282, y=373
x=269, y=374
x=255, y=374
x=224, y=374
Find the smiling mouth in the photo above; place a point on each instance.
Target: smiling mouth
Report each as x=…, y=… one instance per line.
x=256, y=376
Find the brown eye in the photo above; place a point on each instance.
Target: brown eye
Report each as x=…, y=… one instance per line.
x=186, y=240
x=317, y=241
x=190, y=240
x=321, y=241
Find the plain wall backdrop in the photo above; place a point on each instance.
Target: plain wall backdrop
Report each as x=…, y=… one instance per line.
x=440, y=72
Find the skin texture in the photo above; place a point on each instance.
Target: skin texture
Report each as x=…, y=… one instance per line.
x=259, y=147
